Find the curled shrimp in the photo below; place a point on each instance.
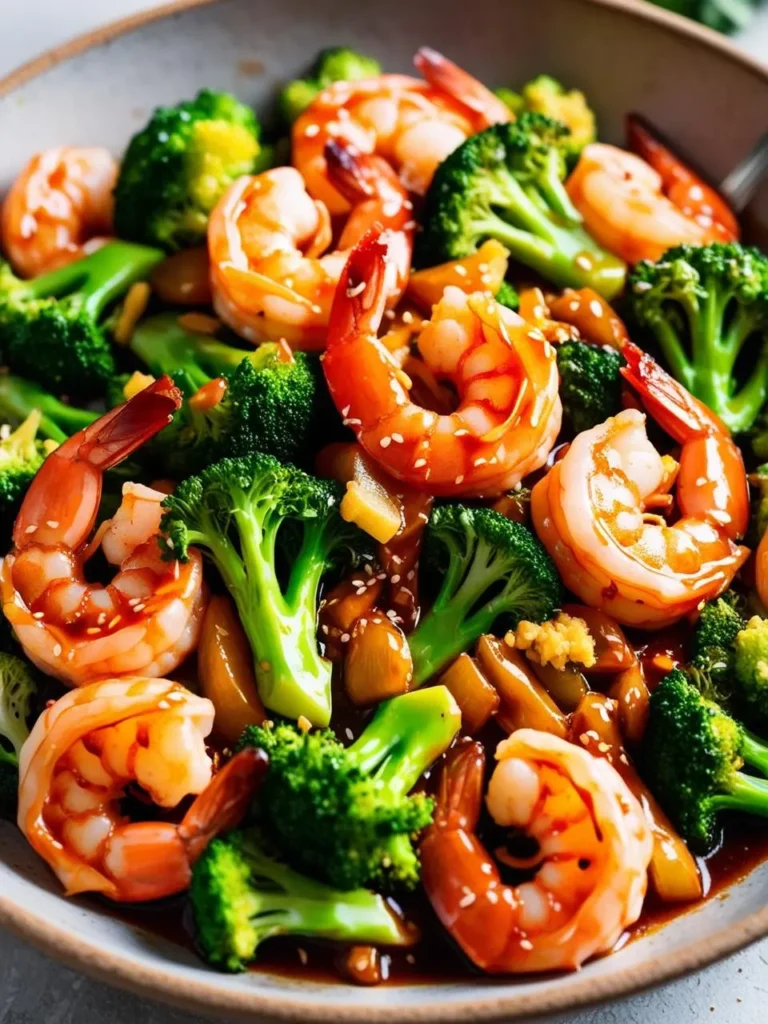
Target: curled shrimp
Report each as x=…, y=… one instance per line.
x=60, y=202
x=622, y=202
x=413, y=124
x=272, y=275
x=690, y=193
x=593, y=851
x=148, y=618
x=597, y=510
x=504, y=371
x=90, y=745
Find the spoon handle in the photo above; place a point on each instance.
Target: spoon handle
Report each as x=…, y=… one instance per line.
x=740, y=185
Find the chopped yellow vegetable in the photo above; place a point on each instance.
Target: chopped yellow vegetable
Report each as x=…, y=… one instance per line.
x=136, y=383
x=369, y=506
x=133, y=309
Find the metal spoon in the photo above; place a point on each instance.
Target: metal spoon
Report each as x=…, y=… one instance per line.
x=740, y=185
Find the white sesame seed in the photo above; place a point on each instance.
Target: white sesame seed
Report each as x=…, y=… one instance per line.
x=139, y=607
x=460, y=433
x=459, y=479
x=53, y=523
x=389, y=314
x=526, y=944
x=407, y=317
x=419, y=463
x=398, y=438
x=395, y=579
x=344, y=638
x=583, y=262
x=30, y=529
x=355, y=289
x=312, y=130
x=385, y=442
x=641, y=286
x=57, y=650
x=480, y=462
x=460, y=270
x=595, y=308
x=574, y=306
x=38, y=615
x=467, y=900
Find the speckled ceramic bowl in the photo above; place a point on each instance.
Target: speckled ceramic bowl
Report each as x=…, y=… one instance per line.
x=99, y=90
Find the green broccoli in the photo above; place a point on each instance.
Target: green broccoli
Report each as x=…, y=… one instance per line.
x=51, y=327
x=750, y=668
x=507, y=183
x=274, y=403
x=18, y=687
x=335, y=64
x=704, y=305
x=176, y=168
x=507, y=296
x=491, y=568
x=344, y=815
x=58, y=420
x=545, y=95
x=241, y=896
x=590, y=383
x=249, y=514
x=711, y=666
x=21, y=455
x=694, y=751
x=721, y=15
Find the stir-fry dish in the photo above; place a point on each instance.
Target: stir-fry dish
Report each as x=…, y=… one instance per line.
x=384, y=517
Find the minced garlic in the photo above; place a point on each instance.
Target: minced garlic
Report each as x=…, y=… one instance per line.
x=556, y=642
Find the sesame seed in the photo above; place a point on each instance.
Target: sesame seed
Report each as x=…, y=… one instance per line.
x=409, y=225
x=459, y=479
x=460, y=270
x=169, y=542
x=114, y=621
x=133, y=601
x=460, y=433
x=389, y=314
x=38, y=615
x=480, y=462
x=583, y=262
x=574, y=306
x=603, y=747
x=407, y=317
x=139, y=607
x=467, y=900
x=57, y=648
x=395, y=579
x=92, y=630
x=641, y=286
x=360, y=590
x=302, y=954
x=30, y=529
x=344, y=638
x=398, y=438
x=419, y=463
x=70, y=656
x=102, y=618
x=349, y=734
x=312, y=130
x=355, y=289
x=385, y=442
x=595, y=308
x=526, y=944
x=316, y=309
x=53, y=523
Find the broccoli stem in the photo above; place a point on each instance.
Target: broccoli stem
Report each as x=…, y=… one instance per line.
x=755, y=752
x=58, y=421
x=102, y=277
x=292, y=677
x=165, y=346
x=744, y=794
x=405, y=736
x=450, y=628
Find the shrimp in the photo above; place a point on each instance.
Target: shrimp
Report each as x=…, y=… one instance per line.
x=504, y=371
x=622, y=202
x=271, y=274
x=690, y=193
x=413, y=124
x=82, y=754
x=592, y=510
x=590, y=868
x=61, y=202
x=147, y=620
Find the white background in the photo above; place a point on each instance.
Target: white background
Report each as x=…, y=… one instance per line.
x=34, y=990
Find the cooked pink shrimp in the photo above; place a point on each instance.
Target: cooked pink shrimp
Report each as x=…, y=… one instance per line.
x=271, y=274
x=622, y=202
x=60, y=202
x=503, y=370
x=412, y=124
x=594, y=510
x=84, y=751
x=591, y=861
x=148, y=618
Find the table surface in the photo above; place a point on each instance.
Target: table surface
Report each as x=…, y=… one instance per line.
x=33, y=988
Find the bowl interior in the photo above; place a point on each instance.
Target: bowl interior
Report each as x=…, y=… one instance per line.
x=624, y=58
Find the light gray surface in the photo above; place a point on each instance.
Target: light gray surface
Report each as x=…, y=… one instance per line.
x=34, y=989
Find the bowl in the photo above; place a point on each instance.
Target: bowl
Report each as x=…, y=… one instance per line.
x=99, y=89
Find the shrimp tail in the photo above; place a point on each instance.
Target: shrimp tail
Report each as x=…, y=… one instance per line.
x=118, y=434
x=352, y=173
x=443, y=74
x=674, y=408
x=361, y=295
x=224, y=802
x=460, y=794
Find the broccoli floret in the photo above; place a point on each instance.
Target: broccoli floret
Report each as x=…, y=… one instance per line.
x=18, y=687
x=491, y=568
x=507, y=296
x=344, y=815
x=694, y=751
x=545, y=95
x=336, y=64
x=711, y=667
x=176, y=168
x=590, y=383
x=704, y=304
x=750, y=667
x=274, y=402
x=58, y=420
x=241, y=896
x=507, y=183
x=52, y=327
x=21, y=455
x=248, y=513
x=721, y=15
